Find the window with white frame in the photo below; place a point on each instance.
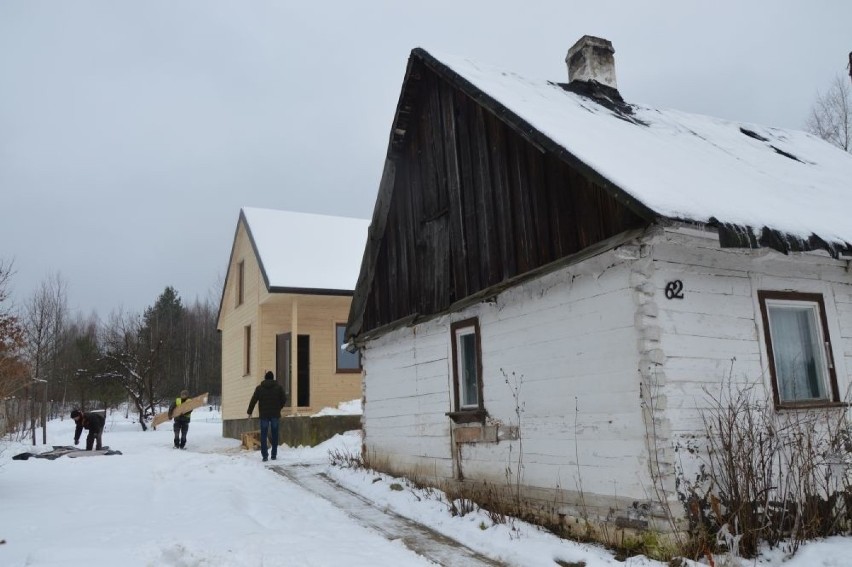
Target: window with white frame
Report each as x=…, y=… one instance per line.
x=467, y=366
x=799, y=348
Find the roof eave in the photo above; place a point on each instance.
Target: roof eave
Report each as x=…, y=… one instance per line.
x=310, y=291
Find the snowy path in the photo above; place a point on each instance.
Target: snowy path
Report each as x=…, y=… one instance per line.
x=416, y=537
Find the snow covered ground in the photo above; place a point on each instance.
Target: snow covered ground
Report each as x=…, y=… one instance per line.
x=216, y=504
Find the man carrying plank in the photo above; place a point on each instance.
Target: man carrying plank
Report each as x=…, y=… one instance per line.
x=175, y=410
x=181, y=426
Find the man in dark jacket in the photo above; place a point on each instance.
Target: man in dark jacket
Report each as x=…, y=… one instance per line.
x=181, y=426
x=269, y=396
x=94, y=423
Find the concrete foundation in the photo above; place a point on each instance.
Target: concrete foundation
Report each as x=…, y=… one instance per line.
x=297, y=430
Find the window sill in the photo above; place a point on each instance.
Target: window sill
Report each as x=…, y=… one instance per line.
x=348, y=371
x=787, y=406
x=468, y=416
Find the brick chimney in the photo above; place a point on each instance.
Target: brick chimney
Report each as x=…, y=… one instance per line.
x=591, y=60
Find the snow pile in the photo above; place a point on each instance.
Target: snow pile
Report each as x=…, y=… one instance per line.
x=352, y=407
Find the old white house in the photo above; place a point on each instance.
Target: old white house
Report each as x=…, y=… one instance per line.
x=554, y=277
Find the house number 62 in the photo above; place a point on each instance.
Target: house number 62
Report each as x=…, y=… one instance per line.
x=674, y=290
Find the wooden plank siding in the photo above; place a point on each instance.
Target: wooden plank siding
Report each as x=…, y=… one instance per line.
x=269, y=314
x=475, y=204
x=236, y=384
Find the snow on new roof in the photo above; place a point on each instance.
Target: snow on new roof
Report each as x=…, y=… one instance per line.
x=303, y=250
x=688, y=166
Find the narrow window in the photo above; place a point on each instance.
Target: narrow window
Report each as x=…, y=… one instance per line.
x=467, y=366
x=240, y=282
x=799, y=349
x=247, y=353
x=346, y=361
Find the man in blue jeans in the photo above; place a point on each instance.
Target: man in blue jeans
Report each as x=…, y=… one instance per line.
x=269, y=397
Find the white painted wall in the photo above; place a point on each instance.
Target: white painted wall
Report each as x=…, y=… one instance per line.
x=568, y=339
x=715, y=334
x=613, y=375
x=406, y=398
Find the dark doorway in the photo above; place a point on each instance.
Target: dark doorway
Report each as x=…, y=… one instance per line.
x=282, y=363
x=304, y=370
x=283, y=367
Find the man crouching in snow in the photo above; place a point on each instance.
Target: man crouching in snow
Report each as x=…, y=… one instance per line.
x=94, y=422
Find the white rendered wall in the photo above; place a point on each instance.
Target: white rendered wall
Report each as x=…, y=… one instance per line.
x=613, y=375
x=714, y=336
x=568, y=341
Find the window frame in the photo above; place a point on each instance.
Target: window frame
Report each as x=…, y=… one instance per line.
x=809, y=299
x=241, y=283
x=337, y=368
x=247, y=350
x=470, y=413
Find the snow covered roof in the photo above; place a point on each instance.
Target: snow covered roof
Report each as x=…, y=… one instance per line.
x=303, y=251
x=674, y=164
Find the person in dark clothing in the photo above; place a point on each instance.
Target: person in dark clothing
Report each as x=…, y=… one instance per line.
x=181, y=425
x=269, y=396
x=94, y=423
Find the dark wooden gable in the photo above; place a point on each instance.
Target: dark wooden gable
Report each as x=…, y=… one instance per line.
x=469, y=203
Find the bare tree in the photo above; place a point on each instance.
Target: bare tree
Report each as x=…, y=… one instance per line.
x=44, y=322
x=831, y=115
x=79, y=362
x=13, y=374
x=132, y=360
x=203, y=348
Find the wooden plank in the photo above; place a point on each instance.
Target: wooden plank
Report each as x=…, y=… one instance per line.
x=423, y=280
x=363, y=312
x=399, y=286
x=458, y=244
x=708, y=325
x=489, y=236
x=714, y=347
x=542, y=244
x=521, y=239
x=467, y=192
x=587, y=203
x=250, y=440
x=502, y=204
x=696, y=302
x=844, y=314
x=431, y=143
x=188, y=405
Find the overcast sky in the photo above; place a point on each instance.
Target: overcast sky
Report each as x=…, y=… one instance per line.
x=131, y=133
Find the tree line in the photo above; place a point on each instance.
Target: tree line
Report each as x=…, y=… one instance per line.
x=50, y=361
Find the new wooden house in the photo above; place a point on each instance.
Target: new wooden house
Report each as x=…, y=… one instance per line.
x=554, y=278
x=284, y=306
